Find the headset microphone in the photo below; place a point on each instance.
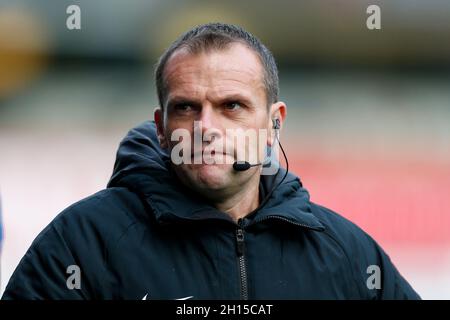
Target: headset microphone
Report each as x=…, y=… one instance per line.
x=244, y=165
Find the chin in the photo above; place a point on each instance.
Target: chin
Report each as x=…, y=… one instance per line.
x=210, y=177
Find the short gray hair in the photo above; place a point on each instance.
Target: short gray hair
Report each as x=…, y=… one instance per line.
x=219, y=36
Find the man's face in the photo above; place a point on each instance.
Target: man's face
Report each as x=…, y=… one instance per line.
x=224, y=90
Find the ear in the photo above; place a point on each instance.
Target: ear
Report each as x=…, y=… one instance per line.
x=159, y=120
x=278, y=111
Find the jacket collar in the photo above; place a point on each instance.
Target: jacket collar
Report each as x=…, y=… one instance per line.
x=142, y=166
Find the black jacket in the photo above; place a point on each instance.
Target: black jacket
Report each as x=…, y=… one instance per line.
x=147, y=236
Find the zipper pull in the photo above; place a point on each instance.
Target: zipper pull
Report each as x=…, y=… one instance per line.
x=240, y=241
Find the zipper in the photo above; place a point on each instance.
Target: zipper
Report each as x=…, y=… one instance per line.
x=240, y=246
x=289, y=221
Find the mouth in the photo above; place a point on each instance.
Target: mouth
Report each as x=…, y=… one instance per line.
x=209, y=154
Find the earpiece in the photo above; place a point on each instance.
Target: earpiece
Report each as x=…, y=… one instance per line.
x=246, y=166
x=276, y=123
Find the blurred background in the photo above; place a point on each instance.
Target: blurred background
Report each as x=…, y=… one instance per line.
x=368, y=127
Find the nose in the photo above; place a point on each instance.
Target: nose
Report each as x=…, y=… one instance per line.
x=210, y=123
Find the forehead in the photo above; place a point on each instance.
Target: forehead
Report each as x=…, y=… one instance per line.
x=236, y=68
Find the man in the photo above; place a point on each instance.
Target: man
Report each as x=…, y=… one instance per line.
x=165, y=229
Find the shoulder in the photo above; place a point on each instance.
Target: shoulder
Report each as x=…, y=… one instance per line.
x=365, y=256
x=112, y=203
x=361, y=250
x=80, y=235
x=344, y=231
x=98, y=220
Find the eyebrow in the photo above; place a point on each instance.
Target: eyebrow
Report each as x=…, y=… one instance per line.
x=186, y=100
x=181, y=100
x=238, y=97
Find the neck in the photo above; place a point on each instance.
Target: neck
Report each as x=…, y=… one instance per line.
x=242, y=202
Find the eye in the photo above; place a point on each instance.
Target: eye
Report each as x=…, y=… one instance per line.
x=233, y=106
x=183, y=107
